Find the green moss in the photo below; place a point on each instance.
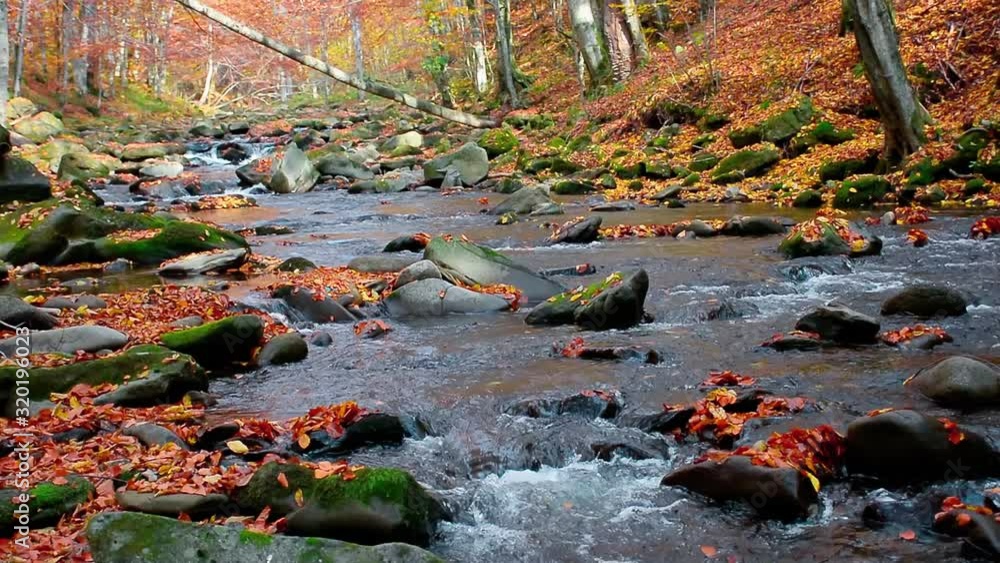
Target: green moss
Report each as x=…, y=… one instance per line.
x=114, y=369
x=747, y=136
x=578, y=143
x=713, y=121
x=840, y=169
x=219, y=343
x=861, y=191
x=499, y=141
x=702, y=141
x=703, y=161
x=744, y=164
x=629, y=172
x=824, y=133
x=974, y=186
x=530, y=122
x=256, y=539
x=658, y=170
x=176, y=238
x=572, y=187
x=777, y=129
x=808, y=199
x=47, y=502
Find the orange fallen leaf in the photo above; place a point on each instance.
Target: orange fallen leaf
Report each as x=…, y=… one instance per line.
x=304, y=441
x=709, y=551
x=283, y=480
x=908, y=535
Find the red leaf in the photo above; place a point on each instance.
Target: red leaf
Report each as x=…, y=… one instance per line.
x=908, y=535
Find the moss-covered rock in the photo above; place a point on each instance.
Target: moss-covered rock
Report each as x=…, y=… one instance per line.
x=552, y=164
x=963, y=160
x=21, y=181
x=713, y=121
x=530, y=122
x=824, y=133
x=46, y=504
x=379, y=505
x=744, y=164
x=39, y=127
x=63, y=234
x=220, y=343
x=87, y=166
x=138, y=152
x=629, y=171
x=777, y=129
x=974, y=186
x=703, y=161
x=571, y=186
x=838, y=170
x=127, y=537
x=861, y=191
x=668, y=112
x=132, y=365
x=658, y=170
x=808, y=199
x=499, y=141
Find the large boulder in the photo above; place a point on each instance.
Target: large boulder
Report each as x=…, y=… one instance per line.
x=220, y=343
x=21, y=181
x=163, y=169
x=744, y=164
x=840, y=324
x=127, y=537
x=163, y=383
x=340, y=165
x=524, y=201
x=403, y=144
x=283, y=349
x=292, y=173
x=70, y=340
x=47, y=503
x=205, y=129
x=422, y=270
x=498, y=141
x=304, y=306
x=960, y=382
x=562, y=309
x=436, y=297
x=20, y=107
x=774, y=492
x=618, y=306
x=905, y=446
x=826, y=237
x=180, y=374
x=578, y=232
x=15, y=312
x=379, y=505
x=471, y=162
x=485, y=266
x=926, y=301
x=138, y=152
x=380, y=263
x=87, y=166
x=61, y=234
x=204, y=263
x=40, y=127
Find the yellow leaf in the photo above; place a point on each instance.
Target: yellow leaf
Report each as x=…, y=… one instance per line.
x=813, y=480
x=74, y=402
x=304, y=441
x=213, y=479
x=237, y=446
x=299, y=497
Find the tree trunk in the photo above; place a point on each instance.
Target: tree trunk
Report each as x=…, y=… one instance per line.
x=65, y=45
x=378, y=89
x=590, y=40
x=480, y=78
x=22, y=30
x=621, y=53
x=639, y=47
x=359, y=54
x=4, y=61
x=505, y=52
x=903, y=117
x=209, y=70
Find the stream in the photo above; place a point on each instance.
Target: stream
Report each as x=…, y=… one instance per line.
x=530, y=489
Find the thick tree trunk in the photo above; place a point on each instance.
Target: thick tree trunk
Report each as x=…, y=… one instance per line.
x=621, y=52
x=22, y=31
x=590, y=40
x=4, y=62
x=903, y=117
x=505, y=53
x=639, y=47
x=480, y=77
x=357, y=43
x=369, y=86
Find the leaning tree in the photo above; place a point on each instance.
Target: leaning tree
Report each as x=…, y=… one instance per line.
x=903, y=117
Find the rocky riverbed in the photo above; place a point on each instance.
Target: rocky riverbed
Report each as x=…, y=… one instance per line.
x=507, y=367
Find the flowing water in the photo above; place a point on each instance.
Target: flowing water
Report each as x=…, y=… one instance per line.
x=529, y=489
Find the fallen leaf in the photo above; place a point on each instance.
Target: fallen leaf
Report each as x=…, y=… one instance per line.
x=709, y=551
x=908, y=535
x=237, y=447
x=283, y=480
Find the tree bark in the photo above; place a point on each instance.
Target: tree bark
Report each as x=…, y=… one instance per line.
x=639, y=46
x=359, y=54
x=480, y=77
x=621, y=53
x=22, y=31
x=505, y=52
x=590, y=40
x=903, y=117
x=372, y=87
x=4, y=62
